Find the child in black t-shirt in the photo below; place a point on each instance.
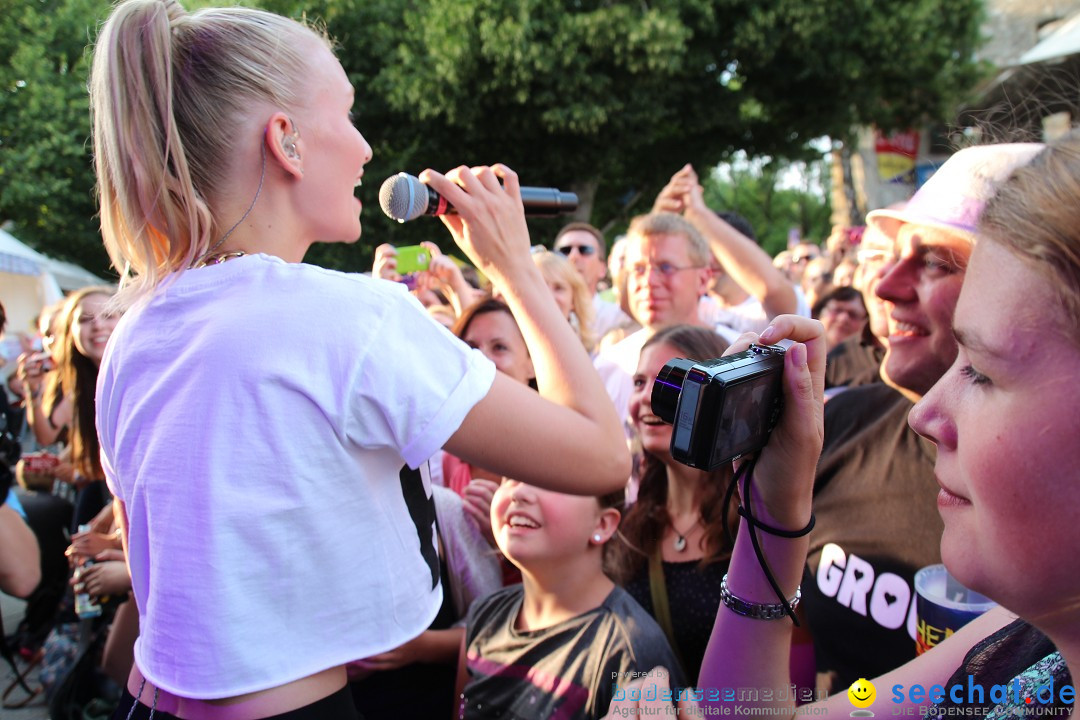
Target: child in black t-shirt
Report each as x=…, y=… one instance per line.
x=561, y=643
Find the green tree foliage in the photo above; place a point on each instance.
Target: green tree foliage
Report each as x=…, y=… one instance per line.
x=46, y=177
x=612, y=97
x=604, y=97
x=775, y=196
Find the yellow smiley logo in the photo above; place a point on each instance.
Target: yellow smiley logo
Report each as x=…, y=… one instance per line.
x=862, y=693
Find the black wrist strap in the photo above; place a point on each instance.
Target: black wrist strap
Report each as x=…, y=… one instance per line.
x=745, y=473
x=774, y=530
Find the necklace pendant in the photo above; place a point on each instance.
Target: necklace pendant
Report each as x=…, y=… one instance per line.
x=680, y=543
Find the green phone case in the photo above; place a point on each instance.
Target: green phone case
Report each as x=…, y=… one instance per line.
x=412, y=258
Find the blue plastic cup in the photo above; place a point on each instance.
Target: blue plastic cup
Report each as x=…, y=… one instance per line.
x=943, y=606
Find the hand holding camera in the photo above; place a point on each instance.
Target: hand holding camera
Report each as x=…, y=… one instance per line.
x=412, y=259
x=385, y=265
x=721, y=408
x=31, y=369
x=756, y=398
x=784, y=476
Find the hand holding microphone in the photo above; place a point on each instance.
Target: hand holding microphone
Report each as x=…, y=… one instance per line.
x=403, y=197
x=488, y=223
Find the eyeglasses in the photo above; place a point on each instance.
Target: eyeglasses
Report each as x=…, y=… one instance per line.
x=585, y=250
x=665, y=269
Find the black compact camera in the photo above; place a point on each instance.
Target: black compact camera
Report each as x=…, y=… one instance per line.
x=721, y=408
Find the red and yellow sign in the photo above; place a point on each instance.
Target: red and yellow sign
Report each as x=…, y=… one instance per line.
x=896, y=155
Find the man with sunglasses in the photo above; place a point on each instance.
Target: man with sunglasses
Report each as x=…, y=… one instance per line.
x=584, y=246
x=801, y=256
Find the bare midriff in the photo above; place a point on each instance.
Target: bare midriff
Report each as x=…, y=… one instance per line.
x=251, y=706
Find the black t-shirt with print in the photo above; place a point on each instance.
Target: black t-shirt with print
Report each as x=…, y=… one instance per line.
x=568, y=670
x=875, y=500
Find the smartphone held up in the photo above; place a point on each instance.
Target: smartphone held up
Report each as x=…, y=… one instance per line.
x=412, y=259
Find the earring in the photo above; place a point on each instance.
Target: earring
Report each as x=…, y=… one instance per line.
x=596, y=537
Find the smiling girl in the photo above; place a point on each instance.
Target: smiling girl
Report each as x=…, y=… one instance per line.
x=558, y=644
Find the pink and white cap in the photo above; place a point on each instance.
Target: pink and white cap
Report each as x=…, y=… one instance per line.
x=954, y=196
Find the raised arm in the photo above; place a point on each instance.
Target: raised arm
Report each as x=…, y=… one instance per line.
x=781, y=491
x=747, y=264
x=568, y=436
x=445, y=275
x=47, y=427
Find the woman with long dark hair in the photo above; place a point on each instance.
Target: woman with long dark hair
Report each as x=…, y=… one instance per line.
x=671, y=551
x=84, y=326
x=1004, y=420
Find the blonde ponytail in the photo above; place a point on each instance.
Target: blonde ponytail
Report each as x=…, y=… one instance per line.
x=168, y=91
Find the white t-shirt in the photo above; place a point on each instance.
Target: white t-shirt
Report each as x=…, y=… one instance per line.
x=731, y=321
x=260, y=420
x=616, y=366
x=607, y=316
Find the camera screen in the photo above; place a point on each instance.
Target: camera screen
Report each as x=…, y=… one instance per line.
x=744, y=422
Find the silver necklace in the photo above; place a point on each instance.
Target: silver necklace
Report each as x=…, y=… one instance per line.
x=211, y=257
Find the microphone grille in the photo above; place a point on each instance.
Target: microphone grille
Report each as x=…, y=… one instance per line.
x=403, y=197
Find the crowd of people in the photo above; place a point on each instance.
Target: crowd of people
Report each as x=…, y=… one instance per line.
x=296, y=493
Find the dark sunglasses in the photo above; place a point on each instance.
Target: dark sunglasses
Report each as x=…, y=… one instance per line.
x=583, y=249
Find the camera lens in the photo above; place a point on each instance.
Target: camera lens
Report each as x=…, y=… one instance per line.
x=666, y=389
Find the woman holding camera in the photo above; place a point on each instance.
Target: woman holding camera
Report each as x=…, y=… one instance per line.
x=83, y=327
x=1005, y=424
x=307, y=400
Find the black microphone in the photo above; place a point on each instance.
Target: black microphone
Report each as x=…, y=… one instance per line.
x=403, y=197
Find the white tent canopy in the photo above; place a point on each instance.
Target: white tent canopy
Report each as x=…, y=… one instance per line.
x=30, y=280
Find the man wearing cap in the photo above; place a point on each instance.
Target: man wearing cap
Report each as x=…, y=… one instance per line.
x=583, y=245
x=876, y=497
